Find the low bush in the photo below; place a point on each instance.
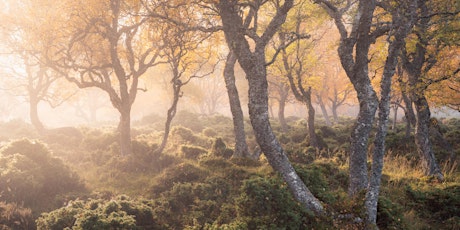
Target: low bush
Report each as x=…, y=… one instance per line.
x=266, y=203
x=14, y=216
x=192, y=152
x=219, y=149
x=31, y=176
x=121, y=212
x=436, y=204
x=180, y=173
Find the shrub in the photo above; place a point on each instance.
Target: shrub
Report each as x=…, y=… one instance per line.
x=189, y=120
x=219, y=149
x=188, y=204
x=183, y=135
x=14, y=216
x=16, y=129
x=99, y=140
x=65, y=136
x=121, y=212
x=438, y=204
x=209, y=132
x=32, y=177
x=389, y=214
x=192, y=152
x=266, y=203
x=180, y=173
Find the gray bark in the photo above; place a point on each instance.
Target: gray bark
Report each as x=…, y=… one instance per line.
x=422, y=138
x=417, y=64
x=334, y=112
x=241, y=147
x=253, y=64
x=353, y=52
x=402, y=20
x=408, y=110
x=395, y=117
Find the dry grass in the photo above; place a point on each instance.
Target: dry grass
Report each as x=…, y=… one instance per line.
x=400, y=168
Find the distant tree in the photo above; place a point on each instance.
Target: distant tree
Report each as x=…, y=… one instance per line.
x=190, y=20
x=186, y=58
x=280, y=92
x=207, y=94
x=87, y=103
x=28, y=42
x=110, y=47
x=296, y=72
x=339, y=91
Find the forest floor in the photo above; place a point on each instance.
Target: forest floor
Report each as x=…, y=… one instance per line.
x=74, y=177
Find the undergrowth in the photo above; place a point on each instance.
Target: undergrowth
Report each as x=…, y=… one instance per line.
x=196, y=184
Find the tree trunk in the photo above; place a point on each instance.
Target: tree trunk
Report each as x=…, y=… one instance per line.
x=395, y=117
x=422, y=138
x=124, y=129
x=311, y=121
x=357, y=71
x=403, y=18
x=281, y=108
x=177, y=85
x=258, y=111
x=368, y=103
x=33, y=113
x=353, y=52
x=408, y=125
x=410, y=110
x=323, y=110
x=253, y=64
x=334, y=113
x=241, y=147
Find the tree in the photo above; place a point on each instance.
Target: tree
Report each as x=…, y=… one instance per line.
x=353, y=52
x=356, y=66
x=110, y=48
x=182, y=54
x=434, y=32
x=296, y=74
x=208, y=94
x=340, y=91
x=402, y=21
x=252, y=59
x=28, y=42
x=241, y=146
x=280, y=91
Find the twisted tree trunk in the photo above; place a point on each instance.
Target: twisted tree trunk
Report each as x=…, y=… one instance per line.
x=254, y=65
x=241, y=147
